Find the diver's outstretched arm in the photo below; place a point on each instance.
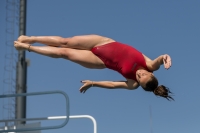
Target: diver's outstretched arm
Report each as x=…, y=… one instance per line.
x=129, y=85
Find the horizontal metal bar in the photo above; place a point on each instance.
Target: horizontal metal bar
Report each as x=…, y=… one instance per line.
x=35, y=119
x=24, y=119
x=56, y=117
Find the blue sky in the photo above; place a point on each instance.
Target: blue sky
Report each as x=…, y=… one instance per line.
x=154, y=27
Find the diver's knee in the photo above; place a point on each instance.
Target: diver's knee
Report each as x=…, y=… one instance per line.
x=64, y=41
x=65, y=53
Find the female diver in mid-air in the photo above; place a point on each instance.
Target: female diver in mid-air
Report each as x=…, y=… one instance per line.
x=98, y=52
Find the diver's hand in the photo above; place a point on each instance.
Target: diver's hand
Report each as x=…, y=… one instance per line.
x=167, y=61
x=86, y=85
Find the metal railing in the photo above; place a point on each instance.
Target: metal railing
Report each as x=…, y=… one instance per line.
x=31, y=119
x=44, y=118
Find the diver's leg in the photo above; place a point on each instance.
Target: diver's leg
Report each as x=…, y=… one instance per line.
x=77, y=42
x=83, y=57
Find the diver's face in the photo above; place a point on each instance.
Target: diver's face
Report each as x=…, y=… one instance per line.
x=143, y=76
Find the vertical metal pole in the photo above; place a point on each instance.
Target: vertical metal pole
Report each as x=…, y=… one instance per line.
x=21, y=74
x=151, y=124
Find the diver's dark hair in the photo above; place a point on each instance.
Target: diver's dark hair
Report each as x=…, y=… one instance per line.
x=162, y=91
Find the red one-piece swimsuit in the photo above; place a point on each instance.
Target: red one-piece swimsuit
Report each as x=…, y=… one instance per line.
x=121, y=57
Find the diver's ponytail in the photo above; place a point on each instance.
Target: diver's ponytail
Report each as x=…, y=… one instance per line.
x=163, y=92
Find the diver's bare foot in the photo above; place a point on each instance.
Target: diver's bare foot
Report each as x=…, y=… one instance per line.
x=21, y=46
x=25, y=39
